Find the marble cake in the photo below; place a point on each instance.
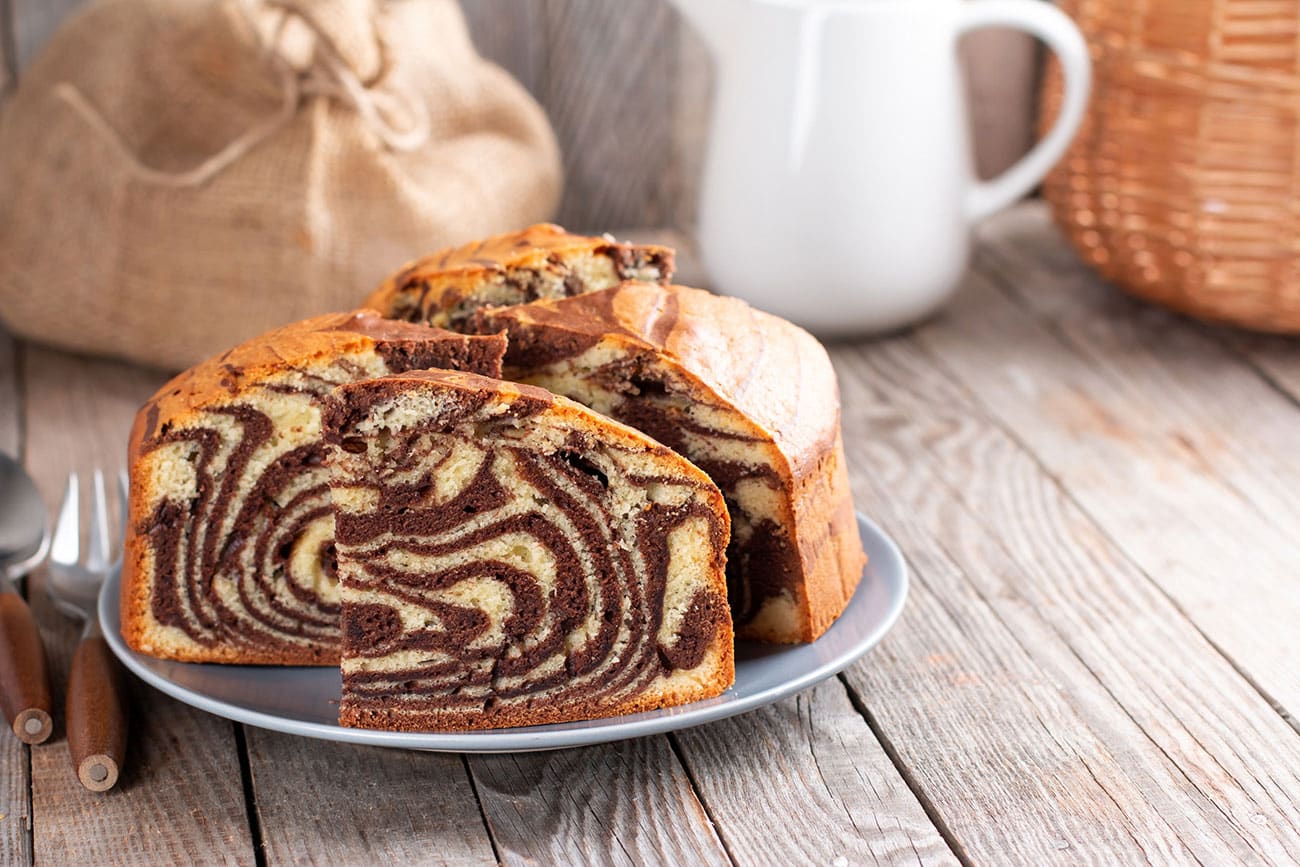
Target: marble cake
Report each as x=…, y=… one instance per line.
x=542, y=261
x=229, y=550
x=509, y=557
x=748, y=397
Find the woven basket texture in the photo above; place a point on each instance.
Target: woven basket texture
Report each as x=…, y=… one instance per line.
x=1183, y=186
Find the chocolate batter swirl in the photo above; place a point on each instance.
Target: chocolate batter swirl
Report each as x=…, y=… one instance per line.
x=245, y=562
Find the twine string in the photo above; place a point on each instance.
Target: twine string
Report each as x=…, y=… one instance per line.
x=328, y=76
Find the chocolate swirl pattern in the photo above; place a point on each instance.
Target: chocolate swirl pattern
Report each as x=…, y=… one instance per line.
x=748, y=398
x=542, y=261
x=510, y=558
x=230, y=551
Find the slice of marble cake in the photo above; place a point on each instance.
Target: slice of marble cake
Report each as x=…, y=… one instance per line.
x=511, y=558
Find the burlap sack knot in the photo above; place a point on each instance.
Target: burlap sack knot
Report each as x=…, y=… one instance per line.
x=327, y=73
x=177, y=175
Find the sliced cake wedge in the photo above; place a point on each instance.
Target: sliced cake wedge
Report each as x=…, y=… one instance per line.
x=508, y=557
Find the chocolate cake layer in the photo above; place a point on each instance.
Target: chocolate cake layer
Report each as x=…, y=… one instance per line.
x=230, y=551
x=510, y=558
x=542, y=261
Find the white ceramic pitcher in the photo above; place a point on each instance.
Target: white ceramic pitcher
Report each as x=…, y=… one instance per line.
x=838, y=187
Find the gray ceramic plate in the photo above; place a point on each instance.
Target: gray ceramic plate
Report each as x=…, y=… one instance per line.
x=304, y=701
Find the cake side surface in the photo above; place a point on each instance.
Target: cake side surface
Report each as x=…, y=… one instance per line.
x=511, y=558
x=749, y=398
x=229, y=549
x=542, y=261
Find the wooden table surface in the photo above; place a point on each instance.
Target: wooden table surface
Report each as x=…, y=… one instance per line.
x=1099, y=661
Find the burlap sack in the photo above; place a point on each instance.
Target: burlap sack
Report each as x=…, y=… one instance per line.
x=177, y=175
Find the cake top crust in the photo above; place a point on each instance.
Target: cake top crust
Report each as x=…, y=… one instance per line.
x=527, y=248
x=321, y=339
x=770, y=370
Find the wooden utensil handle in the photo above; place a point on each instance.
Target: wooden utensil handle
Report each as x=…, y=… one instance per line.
x=97, y=715
x=24, y=677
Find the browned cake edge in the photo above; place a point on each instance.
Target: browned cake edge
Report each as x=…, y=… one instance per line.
x=371, y=718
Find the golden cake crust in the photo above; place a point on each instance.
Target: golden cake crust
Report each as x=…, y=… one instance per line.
x=187, y=395
x=768, y=370
x=321, y=337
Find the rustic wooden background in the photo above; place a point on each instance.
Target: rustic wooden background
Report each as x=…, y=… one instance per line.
x=627, y=84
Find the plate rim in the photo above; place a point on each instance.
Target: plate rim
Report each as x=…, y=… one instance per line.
x=519, y=739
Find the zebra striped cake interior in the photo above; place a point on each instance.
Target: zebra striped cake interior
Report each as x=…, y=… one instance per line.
x=230, y=550
x=508, y=557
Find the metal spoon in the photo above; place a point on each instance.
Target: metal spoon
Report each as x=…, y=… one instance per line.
x=24, y=541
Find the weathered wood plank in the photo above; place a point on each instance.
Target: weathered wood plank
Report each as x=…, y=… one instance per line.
x=1121, y=398
x=15, y=809
x=179, y=801
x=511, y=34
x=608, y=91
x=15, y=768
x=625, y=803
x=692, y=101
x=812, y=761
x=34, y=22
x=1008, y=761
x=8, y=51
x=78, y=412
x=342, y=804
x=1038, y=678
x=180, y=798
x=1276, y=358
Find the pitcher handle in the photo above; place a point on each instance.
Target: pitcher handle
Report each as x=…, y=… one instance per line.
x=1061, y=35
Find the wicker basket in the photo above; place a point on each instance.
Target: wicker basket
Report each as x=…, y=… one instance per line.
x=1184, y=184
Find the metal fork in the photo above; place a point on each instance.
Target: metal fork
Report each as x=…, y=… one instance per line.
x=96, y=705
